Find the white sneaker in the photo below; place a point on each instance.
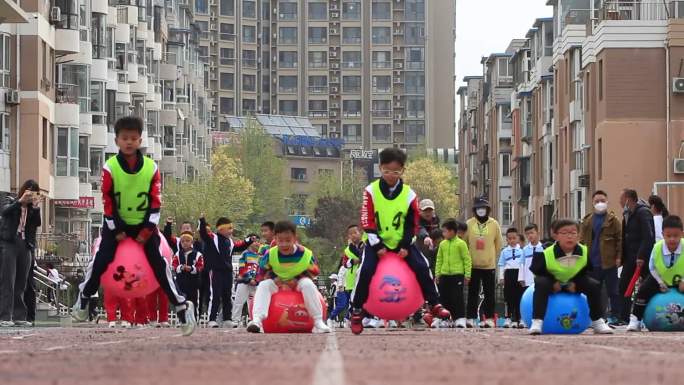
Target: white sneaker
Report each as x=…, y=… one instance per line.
x=112, y=324
x=470, y=323
x=522, y=325
x=514, y=325
x=461, y=323
x=536, y=328
x=125, y=324
x=366, y=322
x=227, y=324
x=634, y=324
x=164, y=325
x=254, y=326
x=154, y=324
x=507, y=323
x=379, y=324
x=213, y=325
x=187, y=327
x=601, y=327
x=320, y=327
x=330, y=323
x=489, y=324
x=393, y=324
x=436, y=323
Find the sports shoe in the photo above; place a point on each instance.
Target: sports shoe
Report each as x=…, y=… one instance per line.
x=213, y=325
x=227, y=324
x=461, y=323
x=187, y=318
x=514, y=325
x=436, y=323
x=330, y=323
x=254, y=326
x=489, y=324
x=507, y=323
x=80, y=310
x=470, y=323
x=376, y=323
x=125, y=324
x=634, y=324
x=154, y=324
x=393, y=325
x=440, y=312
x=112, y=324
x=320, y=327
x=356, y=322
x=536, y=328
x=23, y=324
x=521, y=325
x=601, y=327
x=164, y=325
x=6, y=324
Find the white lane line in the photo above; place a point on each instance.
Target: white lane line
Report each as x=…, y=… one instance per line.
x=329, y=369
x=604, y=347
x=24, y=336
x=9, y=351
x=109, y=342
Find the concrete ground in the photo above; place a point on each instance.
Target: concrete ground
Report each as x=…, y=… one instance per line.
x=88, y=355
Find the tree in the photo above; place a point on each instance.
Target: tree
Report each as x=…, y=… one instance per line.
x=433, y=180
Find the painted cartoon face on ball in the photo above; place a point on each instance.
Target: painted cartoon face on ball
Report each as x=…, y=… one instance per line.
x=392, y=289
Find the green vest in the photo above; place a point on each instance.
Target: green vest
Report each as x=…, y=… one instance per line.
x=390, y=215
x=131, y=191
x=668, y=274
x=350, y=278
x=564, y=273
x=289, y=272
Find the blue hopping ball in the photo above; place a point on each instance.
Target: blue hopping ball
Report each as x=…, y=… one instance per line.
x=566, y=313
x=665, y=312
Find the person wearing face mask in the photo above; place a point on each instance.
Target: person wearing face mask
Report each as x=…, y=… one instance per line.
x=601, y=232
x=484, y=242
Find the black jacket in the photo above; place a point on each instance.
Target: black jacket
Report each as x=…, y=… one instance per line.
x=11, y=215
x=638, y=234
x=218, y=250
x=538, y=266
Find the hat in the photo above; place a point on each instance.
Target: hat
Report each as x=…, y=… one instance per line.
x=427, y=204
x=333, y=276
x=480, y=203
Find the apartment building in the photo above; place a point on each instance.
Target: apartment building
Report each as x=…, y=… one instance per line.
x=373, y=73
x=74, y=68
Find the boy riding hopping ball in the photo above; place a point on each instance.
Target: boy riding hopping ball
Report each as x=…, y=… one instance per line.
x=389, y=216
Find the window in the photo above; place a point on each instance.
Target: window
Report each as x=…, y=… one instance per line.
x=382, y=35
x=201, y=6
x=318, y=11
x=44, y=136
x=83, y=159
x=351, y=108
x=382, y=108
x=204, y=28
x=77, y=77
x=67, y=151
x=505, y=165
x=318, y=59
x=318, y=108
x=382, y=132
x=415, y=132
x=227, y=80
x=351, y=10
x=98, y=31
x=249, y=9
x=415, y=58
x=287, y=59
x=96, y=162
x=227, y=106
x=414, y=33
x=318, y=35
x=266, y=35
x=249, y=83
x=298, y=174
x=506, y=213
x=84, y=19
x=287, y=84
x=415, y=10
x=600, y=80
x=228, y=56
x=351, y=133
x=227, y=7
x=5, y=133
x=287, y=10
x=318, y=84
x=415, y=107
x=248, y=106
x=97, y=105
x=249, y=58
x=382, y=59
x=266, y=106
x=382, y=84
x=266, y=84
x=5, y=61
x=382, y=10
x=288, y=35
x=351, y=84
x=351, y=35
x=322, y=129
x=288, y=107
x=69, y=12
x=227, y=32
x=414, y=82
x=248, y=34
x=351, y=59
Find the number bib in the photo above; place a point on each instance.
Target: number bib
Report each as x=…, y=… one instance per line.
x=132, y=191
x=390, y=214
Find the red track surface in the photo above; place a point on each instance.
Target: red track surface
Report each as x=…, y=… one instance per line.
x=156, y=356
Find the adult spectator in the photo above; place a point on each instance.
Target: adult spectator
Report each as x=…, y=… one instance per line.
x=55, y=280
x=601, y=231
x=20, y=220
x=659, y=211
x=484, y=242
x=429, y=221
x=638, y=237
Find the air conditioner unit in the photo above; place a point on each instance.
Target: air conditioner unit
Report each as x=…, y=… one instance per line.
x=213, y=124
x=335, y=65
x=333, y=7
x=583, y=180
x=334, y=90
x=275, y=11
x=334, y=15
x=398, y=65
x=55, y=15
x=333, y=31
x=397, y=80
x=678, y=166
x=275, y=59
x=333, y=54
x=12, y=97
x=213, y=108
x=335, y=105
x=397, y=105
x=678, y=85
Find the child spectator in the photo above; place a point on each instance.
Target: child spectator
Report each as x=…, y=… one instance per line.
x=525, y=276
x=218, y=253
x=267, y=236
x=453, y=269
x=666, y=267
x=188, y=263
x=509, y=267
x=564, y=266
x=131, y=191
x=174, y=242
x=389, y=216
x=113, y=303
x=246, y=280
x=288, y=264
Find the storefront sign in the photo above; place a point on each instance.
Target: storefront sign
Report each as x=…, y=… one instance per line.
x=80, y=203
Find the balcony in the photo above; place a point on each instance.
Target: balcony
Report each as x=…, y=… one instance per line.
x=318, y=89
x=527, y=130
x=640, y=10
x=382, y=113
x=382, y=64
x=318, y=114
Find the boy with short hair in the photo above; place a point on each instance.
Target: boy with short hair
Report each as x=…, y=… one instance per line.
x=267, y=236
x=525, y=276
x=291, y=265
x=188, y=263
x=246, y=280
x=509, y=267
x=218, y=253
x=666, y=266
x=453, y=269
x=461, y=229
x=131, y=191
x=564, y=266
x=389, y=216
